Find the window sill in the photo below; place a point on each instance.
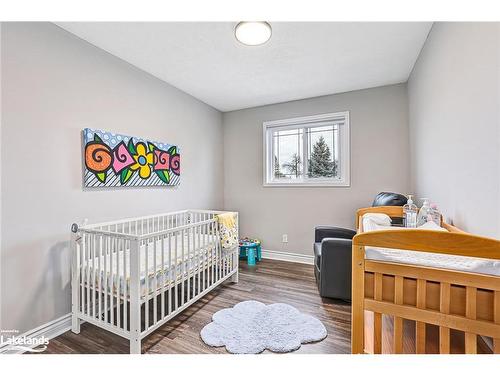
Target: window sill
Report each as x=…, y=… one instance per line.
x=307, y=184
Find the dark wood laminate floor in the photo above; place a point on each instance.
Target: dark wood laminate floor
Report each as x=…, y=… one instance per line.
x=270, y=281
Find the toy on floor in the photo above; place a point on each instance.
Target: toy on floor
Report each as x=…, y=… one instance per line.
x=251, y=250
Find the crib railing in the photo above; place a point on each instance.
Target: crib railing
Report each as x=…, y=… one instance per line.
x=132, y=276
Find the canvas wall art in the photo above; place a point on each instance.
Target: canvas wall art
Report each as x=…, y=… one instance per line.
x=112, y=160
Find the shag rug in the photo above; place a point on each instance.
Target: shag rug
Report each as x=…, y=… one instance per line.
x=250, y=327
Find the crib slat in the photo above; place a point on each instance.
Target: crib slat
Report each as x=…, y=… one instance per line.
x=162, y=249
x=224, y=262
x=118, y=282
x=93, y=248
x=198, y=252
x=398, y=321
x=219, y=254
x=112, y=248
x=170, y=274
x=205, y=254
x=209, y=255
x=210, y=265
x=200, y=255
x=496, y=317
x=105, y=277
x=106, y=286
x=212, y=252
x=420, y=326
x=176, y=294
x=195, y=262
x=125, y=288
x=216, y=253
x=377, y=317
x=444, y=307
x=183, y=265
x=87, y=287
x=146, y=273
x=155, y=282
x=470, y=312
x=99, y=252
x=190, y=266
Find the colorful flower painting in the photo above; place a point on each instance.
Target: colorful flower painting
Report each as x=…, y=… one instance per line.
x=118, y=160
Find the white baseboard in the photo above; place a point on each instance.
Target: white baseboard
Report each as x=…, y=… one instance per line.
x=288, y=257
x=48, y=330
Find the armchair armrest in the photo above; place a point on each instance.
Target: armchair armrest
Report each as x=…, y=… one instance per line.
x=324, y=231
x=336, y=270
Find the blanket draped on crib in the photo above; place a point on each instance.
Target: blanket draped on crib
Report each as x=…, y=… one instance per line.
x=228, y=228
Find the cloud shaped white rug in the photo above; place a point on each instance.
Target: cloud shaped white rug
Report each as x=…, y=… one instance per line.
x=251, y=327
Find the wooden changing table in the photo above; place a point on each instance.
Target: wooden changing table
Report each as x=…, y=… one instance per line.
x=451, y=300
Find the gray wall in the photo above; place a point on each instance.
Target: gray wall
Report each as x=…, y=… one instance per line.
x=379, y=161
x=454, y=106
x=53, y=86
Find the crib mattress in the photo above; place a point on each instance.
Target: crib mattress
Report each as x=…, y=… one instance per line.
x=170, y=267
x=417, y=258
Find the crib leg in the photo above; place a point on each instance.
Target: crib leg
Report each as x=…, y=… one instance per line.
x=75, y=324
x=234, y=277
x=135, y=298
x=135, y=346
x=75, y=285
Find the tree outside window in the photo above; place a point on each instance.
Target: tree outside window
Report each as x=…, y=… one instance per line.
x=320, y=162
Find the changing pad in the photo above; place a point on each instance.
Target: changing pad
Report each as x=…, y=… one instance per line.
x=452, y=262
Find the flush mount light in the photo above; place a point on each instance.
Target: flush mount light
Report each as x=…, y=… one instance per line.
x=252, y=33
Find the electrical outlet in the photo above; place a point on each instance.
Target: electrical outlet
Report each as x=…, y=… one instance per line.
x=285, y=238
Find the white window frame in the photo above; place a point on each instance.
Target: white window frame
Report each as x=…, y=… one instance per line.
x=305, y=122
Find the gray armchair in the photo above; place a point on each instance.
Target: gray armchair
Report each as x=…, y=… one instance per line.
x=332, y=253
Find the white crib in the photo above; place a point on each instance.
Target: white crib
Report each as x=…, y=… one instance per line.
x=131, y=276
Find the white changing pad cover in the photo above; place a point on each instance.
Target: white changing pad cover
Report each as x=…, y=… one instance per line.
x=452, y=262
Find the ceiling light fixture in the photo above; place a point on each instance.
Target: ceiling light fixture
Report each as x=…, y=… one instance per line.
x=253, y=33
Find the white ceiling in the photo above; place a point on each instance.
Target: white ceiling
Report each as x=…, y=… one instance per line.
x=301, y=60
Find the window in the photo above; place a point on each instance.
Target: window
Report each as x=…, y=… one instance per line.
x=307, y=151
